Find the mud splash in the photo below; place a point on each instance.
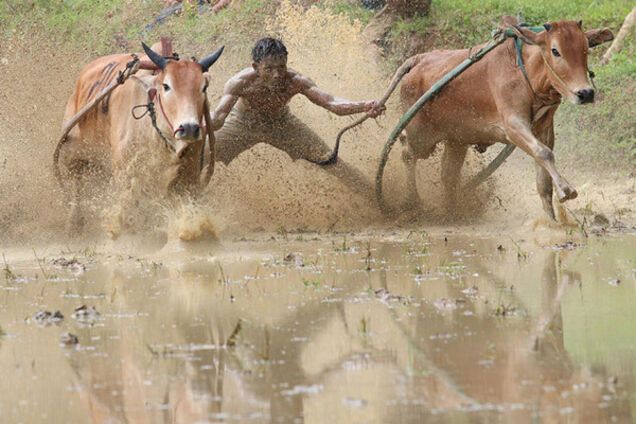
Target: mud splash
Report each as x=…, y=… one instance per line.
x=262, y=190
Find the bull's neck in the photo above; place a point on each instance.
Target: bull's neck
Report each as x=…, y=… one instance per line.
x=537, y=72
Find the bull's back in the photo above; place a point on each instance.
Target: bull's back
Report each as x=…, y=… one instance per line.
x=431, y=67
x=464, y=108
x=96, y=76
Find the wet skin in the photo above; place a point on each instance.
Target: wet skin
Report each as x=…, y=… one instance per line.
x=266, y=88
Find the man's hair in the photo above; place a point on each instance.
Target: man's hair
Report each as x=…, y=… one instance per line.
x=268, y=47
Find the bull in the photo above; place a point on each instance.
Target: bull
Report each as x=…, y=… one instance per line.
x=509, y=97
x=162, y=109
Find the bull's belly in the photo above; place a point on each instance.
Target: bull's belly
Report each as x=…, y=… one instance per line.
x=457, y=129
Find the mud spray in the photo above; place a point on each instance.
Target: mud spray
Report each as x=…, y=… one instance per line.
x=263, y=189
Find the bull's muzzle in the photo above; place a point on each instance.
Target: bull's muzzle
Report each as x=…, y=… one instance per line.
x=190, y=131
x=585, y=95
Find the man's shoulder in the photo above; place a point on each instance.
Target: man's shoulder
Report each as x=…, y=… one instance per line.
x=299, y=80
x=241, y=80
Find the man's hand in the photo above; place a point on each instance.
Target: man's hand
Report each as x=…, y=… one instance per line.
x=374, y=109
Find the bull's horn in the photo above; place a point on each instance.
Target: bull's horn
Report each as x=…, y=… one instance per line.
x=208, y=61
x=156, y=58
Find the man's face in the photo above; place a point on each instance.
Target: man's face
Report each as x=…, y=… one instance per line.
x=272, y=71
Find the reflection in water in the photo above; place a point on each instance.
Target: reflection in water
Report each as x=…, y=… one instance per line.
x=436, y=331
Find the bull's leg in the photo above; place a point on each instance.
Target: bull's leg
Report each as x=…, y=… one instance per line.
x=519, y=133
x=452, y=161
x=544, y=182
x=544, y=188
x=75, y=194
x=415, y=148
x=412, y=196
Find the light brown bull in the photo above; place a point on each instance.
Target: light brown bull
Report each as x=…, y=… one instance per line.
x=110, y=135
x=492, y=102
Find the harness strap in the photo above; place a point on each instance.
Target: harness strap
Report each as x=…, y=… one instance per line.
x=520, y=64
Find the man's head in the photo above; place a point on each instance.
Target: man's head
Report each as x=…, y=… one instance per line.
x=269, y=57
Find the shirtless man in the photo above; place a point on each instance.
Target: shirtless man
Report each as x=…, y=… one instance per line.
x=254, y=109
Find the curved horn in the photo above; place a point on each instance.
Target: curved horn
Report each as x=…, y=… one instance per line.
x=208, y=61
x=156, y=58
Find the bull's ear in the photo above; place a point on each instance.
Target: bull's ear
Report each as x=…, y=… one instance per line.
x=598, y=36
x=528, y=36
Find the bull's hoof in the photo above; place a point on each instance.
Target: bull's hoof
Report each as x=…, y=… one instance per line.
x=568, y=193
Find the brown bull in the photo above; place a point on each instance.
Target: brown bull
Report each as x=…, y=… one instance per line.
x=110, y=135
x=493, y=101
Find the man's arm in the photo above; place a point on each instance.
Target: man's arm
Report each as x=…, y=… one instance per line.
x=334, y=104
x=231, y=95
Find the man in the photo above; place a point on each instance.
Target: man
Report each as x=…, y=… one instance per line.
x=254, y=109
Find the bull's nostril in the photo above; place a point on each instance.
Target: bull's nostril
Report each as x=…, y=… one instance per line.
x=190, y=130
x=586, y=95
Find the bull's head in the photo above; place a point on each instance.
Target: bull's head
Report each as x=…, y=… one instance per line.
x=564, y=47
x=179, y=89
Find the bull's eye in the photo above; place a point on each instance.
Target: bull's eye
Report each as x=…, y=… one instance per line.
x=166, y=87
x=556, y=53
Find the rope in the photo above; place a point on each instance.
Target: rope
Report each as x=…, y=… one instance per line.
x=130, y=69
x=152, y=112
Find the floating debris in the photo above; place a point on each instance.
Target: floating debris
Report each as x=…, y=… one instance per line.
x=443, y=304
x=385, y=296
x=68, y=339
x=86, y=314
x=47, y=318
x=471, y=291
x=568, y=245
x=303, y=390
x=505, y=310
x=601, y=220
x=354, y=403
x=294, y=258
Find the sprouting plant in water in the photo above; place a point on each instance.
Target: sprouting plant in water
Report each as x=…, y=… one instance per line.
x=343, y=247
x=9, y=275
x=364, y=327
x=369, y=257
x=504, y=310
x=231, y=341
x=521, y=254
x=223, y=279
x=315, y=284
x=41, y=263
x=282, y=231
x=580, y=224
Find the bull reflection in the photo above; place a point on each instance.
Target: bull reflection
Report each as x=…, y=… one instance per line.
x=208, y=348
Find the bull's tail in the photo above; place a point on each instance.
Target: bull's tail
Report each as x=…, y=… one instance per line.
x=397, y=77
x=56, y=160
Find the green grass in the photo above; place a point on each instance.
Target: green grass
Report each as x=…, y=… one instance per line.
x=462, y=22
x=352, y=11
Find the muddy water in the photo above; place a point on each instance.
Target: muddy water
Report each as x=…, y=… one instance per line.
x=371, y=328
